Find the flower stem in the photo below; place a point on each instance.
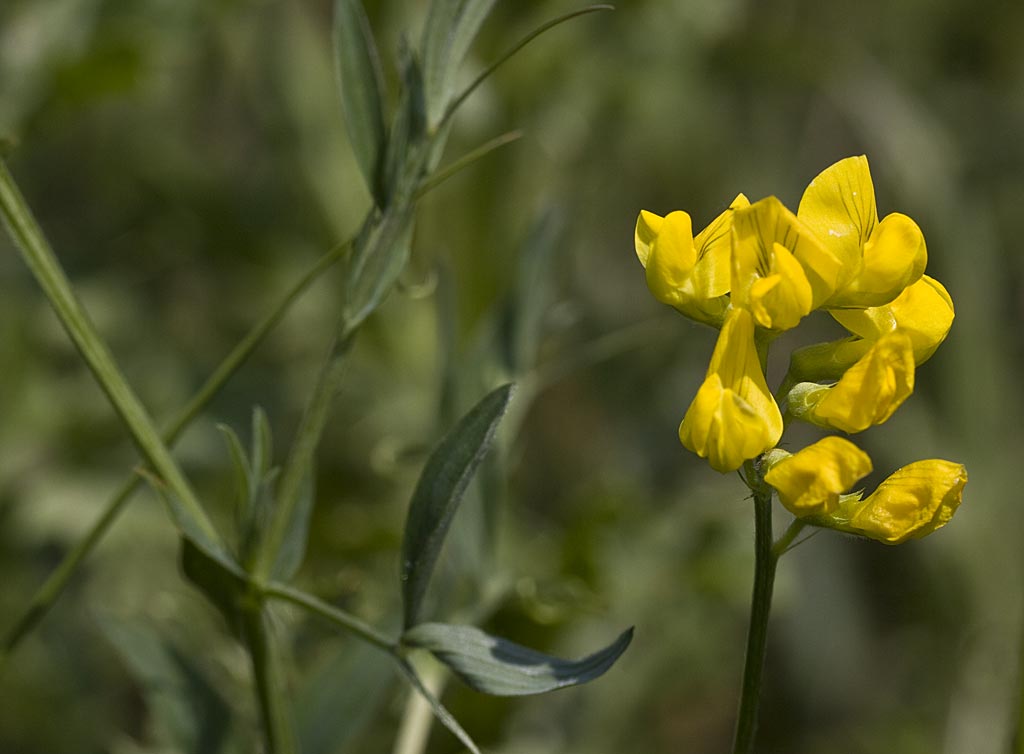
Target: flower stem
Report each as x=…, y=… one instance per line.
x=270, y=686
x=765, y=560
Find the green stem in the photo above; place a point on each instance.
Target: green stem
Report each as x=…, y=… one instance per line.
x=266, y=665
x=328, y=612
x=765, y=559
x=55, y=584
x=300, y=458
x=43, y=263
x=438, y=177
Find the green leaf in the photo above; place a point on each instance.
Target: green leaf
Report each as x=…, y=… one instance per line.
x=188, y=714
x=451, y=27
x=380, y=255
x=499, y=667
x=362, y=90
x=404, y=159
x=293, y=546
x=220, y=580
x=440, y=712
x=439, y=492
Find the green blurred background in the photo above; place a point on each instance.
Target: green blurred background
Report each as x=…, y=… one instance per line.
x=188, y=160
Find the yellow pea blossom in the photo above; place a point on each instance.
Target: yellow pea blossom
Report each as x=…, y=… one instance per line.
x=868, y=393
x=923, y=312
x=690, y=274
x=734, y=417
x=780, y=272
x=879, y=259
x=913, y=502
x=812, y=480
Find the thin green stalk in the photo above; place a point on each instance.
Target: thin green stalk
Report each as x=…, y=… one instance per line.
x=464, y=95
x=53, y=587
x=43, y=263
x=765, y=560
x=339, y=617
x=300, y=459
x=270, y=684
x=443, y=174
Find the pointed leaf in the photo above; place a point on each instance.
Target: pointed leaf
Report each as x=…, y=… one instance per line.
x=379, y=257
x=293, y=546
x=243, y=473
x=451, y=27
x=499, y=667
x=362, y=89
x=222, y=582
x=262, y=443
x=439, y=492
x=403, y=158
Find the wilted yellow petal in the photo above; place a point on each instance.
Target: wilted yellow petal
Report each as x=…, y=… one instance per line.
x=812, y=480
x=871, y=390
x=913, y=502
x=839, y=207
x=733, y=417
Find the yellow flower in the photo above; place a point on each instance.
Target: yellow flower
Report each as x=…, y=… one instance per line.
x=780, y=271
x=913, y=502
x=734, y=417
x=812, y=480
x=869, y=392
x=923, y=312
x=690, y=274
x=880, y=258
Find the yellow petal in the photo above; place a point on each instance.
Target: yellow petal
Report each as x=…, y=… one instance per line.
x=839, y=207
x=812, y=480
x=733, y=417
x=671, y=258
x=648, y=225
x=894, y=257
x=780, y=300
x=711, y=274
x=913, y=502
x=756, y=231
x=871, y=390
x=924, y=311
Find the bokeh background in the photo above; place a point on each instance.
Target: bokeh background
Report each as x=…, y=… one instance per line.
x=188, y=160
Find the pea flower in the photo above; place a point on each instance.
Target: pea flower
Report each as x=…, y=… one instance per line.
x=868, y=393
x=780, y=271
x=923, y=312
x=690, y=274
x=812, y=480
x=733, y=417
x=913, y=502
x=880, y=259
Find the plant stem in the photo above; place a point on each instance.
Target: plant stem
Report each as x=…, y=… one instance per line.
x=300, y=458
x=277, y=722
x=46, y=269
x=765, y=560
x=339, y=617
x=54, y=586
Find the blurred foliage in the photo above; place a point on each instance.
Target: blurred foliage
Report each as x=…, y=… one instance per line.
x=187, y=159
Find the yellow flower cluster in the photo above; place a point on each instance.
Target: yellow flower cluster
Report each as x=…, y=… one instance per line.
x=755, y=272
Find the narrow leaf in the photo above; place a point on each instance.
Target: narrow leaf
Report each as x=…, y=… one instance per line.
x=362, y=89
x=439, y=492
x=403, y=156
x=443, y=715
x=222, y=582
x=451, y=27
x=379, y=257
x=293, y=546
x=499, y=667
x=243, y=476
x=262, y=443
